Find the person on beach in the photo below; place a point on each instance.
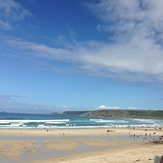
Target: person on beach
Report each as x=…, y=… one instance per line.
x=158, y=159
x=161, y=159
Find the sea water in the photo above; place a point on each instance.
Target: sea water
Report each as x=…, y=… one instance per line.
x=18, y=120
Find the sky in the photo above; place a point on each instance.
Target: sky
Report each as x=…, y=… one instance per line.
x=59, y=55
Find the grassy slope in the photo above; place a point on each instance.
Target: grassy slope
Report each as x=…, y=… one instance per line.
x=127, y=113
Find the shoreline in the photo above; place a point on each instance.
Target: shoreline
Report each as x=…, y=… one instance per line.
x=78, y=145
x=80, y=131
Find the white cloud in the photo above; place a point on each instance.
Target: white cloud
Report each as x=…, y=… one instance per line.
x=136, y=54
x=138, y=30
x=11, y=11
x=101, y=107
x=109, y=107
x=40, y=50
x=132, y=108
x=130, y=62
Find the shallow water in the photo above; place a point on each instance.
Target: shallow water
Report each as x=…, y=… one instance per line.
x=82, y=147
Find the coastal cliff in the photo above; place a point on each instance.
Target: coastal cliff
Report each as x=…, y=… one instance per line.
x=126, y=113
x=145, y=114
x=75, y=112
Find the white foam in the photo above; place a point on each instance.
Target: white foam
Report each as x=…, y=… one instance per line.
x=27, y=121
x=56, y=122
x=111, y=121
x=84, y=123
x=41, y=126
x=145, y=120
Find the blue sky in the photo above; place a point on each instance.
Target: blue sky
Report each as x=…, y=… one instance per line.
x=58, y=55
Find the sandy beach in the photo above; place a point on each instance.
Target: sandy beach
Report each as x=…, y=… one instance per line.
x=102, y=145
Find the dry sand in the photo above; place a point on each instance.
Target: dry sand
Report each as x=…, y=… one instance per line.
x=79, y=145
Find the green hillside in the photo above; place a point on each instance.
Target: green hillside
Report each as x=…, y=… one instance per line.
x=126, y=113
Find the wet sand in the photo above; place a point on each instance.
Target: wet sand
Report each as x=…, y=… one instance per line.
x=123, y=145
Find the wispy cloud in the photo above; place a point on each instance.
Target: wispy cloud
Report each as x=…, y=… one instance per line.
x=11, y=11
x=137, y=28
x=116, y=61
x=11, y=98
x=15, y=103
x=5, y=25
x=136, y=50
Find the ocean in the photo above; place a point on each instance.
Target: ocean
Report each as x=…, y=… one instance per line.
x=18, y=120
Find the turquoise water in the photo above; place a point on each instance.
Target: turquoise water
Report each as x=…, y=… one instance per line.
x=17, y=120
